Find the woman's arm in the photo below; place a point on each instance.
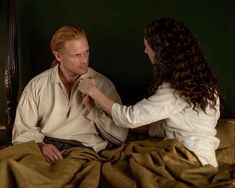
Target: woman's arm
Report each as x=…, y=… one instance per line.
x=88, y=86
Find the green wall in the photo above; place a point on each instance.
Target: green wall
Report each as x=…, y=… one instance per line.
x=115, y=31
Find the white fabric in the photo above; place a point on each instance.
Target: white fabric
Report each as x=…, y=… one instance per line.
x=45, y=109
x=195, y=129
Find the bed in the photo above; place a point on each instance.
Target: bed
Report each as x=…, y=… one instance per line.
x=140, y=162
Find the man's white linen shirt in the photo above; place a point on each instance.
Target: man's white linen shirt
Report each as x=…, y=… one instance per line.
x=174, y=118
x=45, y=109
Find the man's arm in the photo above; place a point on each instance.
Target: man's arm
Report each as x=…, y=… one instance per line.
x=25, y=127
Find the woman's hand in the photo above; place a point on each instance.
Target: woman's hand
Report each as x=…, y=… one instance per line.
x=88, y=102
x=88, y=87
x=85, y=85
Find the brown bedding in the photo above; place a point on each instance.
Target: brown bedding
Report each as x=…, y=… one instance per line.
x=145, y=163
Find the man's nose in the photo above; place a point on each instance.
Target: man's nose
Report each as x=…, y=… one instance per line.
x=83, y=58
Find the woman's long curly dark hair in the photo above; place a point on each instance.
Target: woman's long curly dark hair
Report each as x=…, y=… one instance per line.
x=180, y=62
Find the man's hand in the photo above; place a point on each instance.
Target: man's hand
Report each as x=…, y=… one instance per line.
x=50, y=152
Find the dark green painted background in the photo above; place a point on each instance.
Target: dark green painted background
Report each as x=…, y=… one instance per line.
x=115, y=31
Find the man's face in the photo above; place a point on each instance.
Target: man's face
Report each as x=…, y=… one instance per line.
x=148, y=50
x=75, y=58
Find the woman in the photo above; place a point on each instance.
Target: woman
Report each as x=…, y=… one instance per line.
x=183, y=100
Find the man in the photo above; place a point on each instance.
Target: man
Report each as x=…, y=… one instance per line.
x=51, y=110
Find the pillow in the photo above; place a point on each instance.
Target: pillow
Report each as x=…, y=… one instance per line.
x=225, y=132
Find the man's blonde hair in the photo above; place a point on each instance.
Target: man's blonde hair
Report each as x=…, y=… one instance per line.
x=65, y=34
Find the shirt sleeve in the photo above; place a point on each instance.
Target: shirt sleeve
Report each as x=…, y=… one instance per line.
x=104, y=122
x=25, y=127
x=164, y=103
x=157, y=129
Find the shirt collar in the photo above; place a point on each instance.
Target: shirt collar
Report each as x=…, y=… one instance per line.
x=55, y=74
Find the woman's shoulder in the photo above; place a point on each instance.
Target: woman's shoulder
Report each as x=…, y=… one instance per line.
x=165, y=88
x=168, y=94
x=164, y=85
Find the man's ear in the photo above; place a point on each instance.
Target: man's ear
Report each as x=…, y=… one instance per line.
x=57, y=55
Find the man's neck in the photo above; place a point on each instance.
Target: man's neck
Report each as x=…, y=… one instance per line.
x=68, y=81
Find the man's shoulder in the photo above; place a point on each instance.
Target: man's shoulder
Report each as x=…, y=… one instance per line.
x=105, y=85
x=42, y=75
x=40, y=79
x=101, y=78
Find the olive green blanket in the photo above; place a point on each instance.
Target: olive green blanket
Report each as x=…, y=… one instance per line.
x=148, y=163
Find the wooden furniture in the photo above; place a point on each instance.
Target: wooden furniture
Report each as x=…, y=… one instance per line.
x=11, y=71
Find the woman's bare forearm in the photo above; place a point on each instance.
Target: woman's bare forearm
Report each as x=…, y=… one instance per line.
x=105, y=102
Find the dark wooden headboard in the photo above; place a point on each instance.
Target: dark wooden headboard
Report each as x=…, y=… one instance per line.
x=11, y=71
